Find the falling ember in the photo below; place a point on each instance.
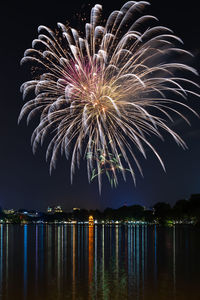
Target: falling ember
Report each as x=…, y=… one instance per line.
x=106, y=92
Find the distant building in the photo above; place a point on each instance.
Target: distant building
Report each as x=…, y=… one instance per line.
x=8, y=211
x=58, y=209
x=49, y=209
x=76, y=209
x=55, y=209
x=33, y=214
x=22, y=211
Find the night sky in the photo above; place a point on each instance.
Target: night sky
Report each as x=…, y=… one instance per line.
x=24, y=178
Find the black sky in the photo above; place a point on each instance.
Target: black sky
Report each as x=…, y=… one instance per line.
x=24, y=178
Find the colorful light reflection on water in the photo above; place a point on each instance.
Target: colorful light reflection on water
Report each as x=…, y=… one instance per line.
x=98, y=262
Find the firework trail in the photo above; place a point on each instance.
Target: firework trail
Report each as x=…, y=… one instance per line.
x=102, y=95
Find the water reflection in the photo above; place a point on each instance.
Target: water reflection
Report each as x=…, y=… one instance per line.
x=73, y=260
x=174, y=259
x=36, y=260
x=155, y=255
x=90, y=254
x=98, y=262
x=25, y=260
x=1, y=256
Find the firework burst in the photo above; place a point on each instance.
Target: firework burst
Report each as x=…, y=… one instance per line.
x=105, y=93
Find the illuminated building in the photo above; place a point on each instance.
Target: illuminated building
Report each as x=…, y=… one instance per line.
x=91, y=221
x=76, y=209
x=55, y=209
x=58, y=209
x=49, y=209
x=33, y=214
x=8, y=211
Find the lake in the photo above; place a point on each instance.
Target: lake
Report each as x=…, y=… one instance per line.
x=49, y=261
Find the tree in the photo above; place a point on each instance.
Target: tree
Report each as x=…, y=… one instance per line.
x=162, y=212
x=180, y=210
x=194, y=207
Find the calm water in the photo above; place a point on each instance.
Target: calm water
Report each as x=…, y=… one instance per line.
x=100, y=262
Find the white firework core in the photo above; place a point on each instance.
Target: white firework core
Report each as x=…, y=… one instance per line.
x=101, y=95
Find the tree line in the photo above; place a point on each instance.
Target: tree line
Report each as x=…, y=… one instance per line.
x=184, y=211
